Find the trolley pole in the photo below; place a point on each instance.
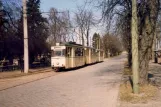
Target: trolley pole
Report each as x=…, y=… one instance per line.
x=26, y=55
x=135, y=59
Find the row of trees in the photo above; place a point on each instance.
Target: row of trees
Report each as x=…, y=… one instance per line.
x=12, y=29
x=42, y=31
x=111, y=44
x=147, y=13
x=10, y=42
x=45, y=29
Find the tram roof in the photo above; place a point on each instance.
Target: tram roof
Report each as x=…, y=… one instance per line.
x=71, y=44
x=93, y=48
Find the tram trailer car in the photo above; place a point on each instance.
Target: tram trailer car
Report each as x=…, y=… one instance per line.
x=72, y=55
x=93, y=55
x=100, y=55
x=90, y=55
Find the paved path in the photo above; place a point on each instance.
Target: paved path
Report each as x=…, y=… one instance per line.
x=93, y=86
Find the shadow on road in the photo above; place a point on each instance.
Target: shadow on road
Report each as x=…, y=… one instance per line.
x=76, y=68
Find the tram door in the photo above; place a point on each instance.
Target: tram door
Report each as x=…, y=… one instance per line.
x=87, y=56
x=68, y=57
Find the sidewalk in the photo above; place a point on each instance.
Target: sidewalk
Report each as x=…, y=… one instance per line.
x=17, y=78
x=18, y=73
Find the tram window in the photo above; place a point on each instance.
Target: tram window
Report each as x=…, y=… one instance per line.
x=79, y=52
x=58, y=53
x=69, y=52
x=63, y=52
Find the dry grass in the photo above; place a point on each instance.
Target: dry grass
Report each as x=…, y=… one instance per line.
x=147, y=92
x=15, y=74
x=127, y=70
x=149, y=95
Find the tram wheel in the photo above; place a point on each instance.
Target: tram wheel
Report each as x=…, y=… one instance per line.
x=56, y=69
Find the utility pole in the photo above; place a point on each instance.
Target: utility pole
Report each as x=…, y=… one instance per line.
x=26, y=55
x=135, y=58
x=99, y=48
x=97, y=43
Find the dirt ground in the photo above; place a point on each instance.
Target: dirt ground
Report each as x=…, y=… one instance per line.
x=155, y=79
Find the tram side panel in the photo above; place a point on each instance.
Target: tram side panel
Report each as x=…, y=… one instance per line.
x=98, y=56
x=69, y=57
x=68, y=62
x=86, y=52
x=79, y=59
x=88, y=55
x=94, y=56
x=101, y=56
x=91, y=56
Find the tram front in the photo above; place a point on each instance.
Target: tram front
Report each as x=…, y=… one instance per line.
x=58, y=57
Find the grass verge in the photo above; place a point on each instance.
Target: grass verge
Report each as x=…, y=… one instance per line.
x=147, y=92
x=15, y=74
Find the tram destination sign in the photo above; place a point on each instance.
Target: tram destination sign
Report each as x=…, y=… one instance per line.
x=58, y=47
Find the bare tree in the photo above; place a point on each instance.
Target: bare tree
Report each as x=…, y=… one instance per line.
x=59, y=25
x=147, y=13
x=111, y=44
x=84, y=19
x=89, y=22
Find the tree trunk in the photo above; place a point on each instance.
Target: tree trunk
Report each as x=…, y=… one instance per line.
x=129, y=58
x=147, y=36
x=135, y=57
x=145, y=51
x=154, y=46
x=87, y=37
x=82, y=39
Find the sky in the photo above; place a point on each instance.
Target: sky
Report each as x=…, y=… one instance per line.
x=60, y=4
x=72, y=5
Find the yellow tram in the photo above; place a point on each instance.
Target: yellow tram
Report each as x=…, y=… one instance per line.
x=71, y=55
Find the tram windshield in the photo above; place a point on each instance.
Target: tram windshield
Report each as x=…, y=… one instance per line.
x=58, y=53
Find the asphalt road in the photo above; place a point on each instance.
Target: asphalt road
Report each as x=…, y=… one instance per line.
x=92, y=86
